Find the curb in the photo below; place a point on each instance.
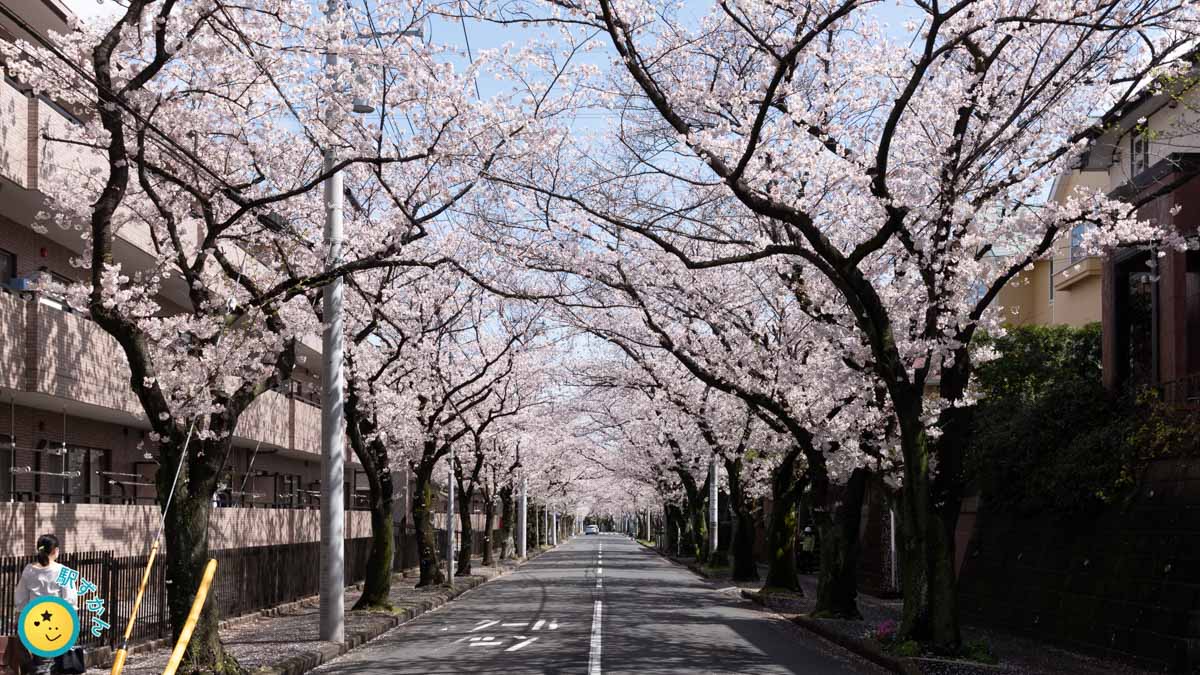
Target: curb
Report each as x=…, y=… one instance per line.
x=324, y=652
x=860, y=647
x=302, y=663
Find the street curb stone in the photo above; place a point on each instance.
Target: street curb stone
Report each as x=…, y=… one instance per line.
x=303, y=663
x=324, y=652
x=857, y=647
x=860, y=647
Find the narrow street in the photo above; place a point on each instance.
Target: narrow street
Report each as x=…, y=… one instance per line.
x=597, y=604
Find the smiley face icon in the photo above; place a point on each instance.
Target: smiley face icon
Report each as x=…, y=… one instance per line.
x=48, y=626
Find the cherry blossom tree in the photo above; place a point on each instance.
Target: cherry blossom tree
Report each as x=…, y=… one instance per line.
x=905, y=167
x=211, y=122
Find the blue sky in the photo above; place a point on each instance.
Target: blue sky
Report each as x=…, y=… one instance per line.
x=487, y=36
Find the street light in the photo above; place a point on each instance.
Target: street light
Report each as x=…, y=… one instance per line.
x=333, y=421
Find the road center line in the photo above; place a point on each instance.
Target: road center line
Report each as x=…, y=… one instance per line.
x=594, y=656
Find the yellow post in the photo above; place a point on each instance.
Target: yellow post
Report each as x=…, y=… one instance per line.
x=119, y=658
x=185, y=635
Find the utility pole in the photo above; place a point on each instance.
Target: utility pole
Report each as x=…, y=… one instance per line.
x=333, y=422
x=523, y=520
x=713, y=514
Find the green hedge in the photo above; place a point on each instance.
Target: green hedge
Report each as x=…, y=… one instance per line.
x=1049, y=437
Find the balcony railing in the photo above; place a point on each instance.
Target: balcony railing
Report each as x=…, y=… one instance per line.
x=14, y=134
x=50, y=349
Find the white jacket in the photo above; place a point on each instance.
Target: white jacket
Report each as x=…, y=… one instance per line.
x=37, y=582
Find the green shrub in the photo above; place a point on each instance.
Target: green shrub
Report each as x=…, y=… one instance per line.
x=1049, y=437
x=980, y=651
x=908, y=648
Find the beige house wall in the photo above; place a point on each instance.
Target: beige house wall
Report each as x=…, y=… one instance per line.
x=1026, y=299
x=1079, y=305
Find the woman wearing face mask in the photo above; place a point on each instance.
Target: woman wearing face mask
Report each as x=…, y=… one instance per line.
x=39, y=579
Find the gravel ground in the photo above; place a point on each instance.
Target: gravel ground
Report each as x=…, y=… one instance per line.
x=1019, y=655
x=265, y=641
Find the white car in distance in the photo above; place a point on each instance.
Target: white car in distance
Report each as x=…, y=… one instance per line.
x=591, y=529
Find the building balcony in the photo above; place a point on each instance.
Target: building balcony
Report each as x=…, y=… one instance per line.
x=52, y=357
x=14, y=134
x=70, y=357
x=1081, y=269
x=12, y=346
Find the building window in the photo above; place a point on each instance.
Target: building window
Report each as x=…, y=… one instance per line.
x=1051, y=284
x=90, y=487
x=8, y=266
x=1139, y=159
x=1077, y=251
x=73, y=475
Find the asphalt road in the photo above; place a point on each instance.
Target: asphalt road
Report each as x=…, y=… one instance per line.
x=597, y=604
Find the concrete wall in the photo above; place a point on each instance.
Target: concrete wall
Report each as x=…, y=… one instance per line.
x=76, y=360
x=267, y=420
x=1125, y=581
x=14, y=134
x=128, y=530
x=12, y=347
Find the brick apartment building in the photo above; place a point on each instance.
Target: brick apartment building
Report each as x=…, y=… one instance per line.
x=74, y=458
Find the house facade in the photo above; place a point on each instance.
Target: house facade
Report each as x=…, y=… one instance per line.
x=1150, y=153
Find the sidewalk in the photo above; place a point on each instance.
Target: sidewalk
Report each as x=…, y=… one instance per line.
x=284, y=640
x=1018, y=655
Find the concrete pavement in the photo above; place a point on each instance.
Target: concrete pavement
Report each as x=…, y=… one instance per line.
x=597, y=604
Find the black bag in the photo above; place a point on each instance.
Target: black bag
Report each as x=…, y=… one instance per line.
x=70, y=662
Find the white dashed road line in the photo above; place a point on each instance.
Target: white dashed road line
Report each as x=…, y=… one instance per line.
x=594, y=656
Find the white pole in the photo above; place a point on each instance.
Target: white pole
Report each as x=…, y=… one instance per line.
x=892, y=528
x=333, y=423
x=450, y=523
x=523, y=520
x=713, y=514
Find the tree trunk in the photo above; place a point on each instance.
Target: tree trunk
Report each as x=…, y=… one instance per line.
x=837, y=580
x=928, y=577
x=489, y=525
x=427, y=548
x=699, y=525
x=741, y=540
x=781, y=528
x=467, y=536
x=531, y=527
x=507, y=518
x=377, y=586
x=186, y=533
x=676, y=525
